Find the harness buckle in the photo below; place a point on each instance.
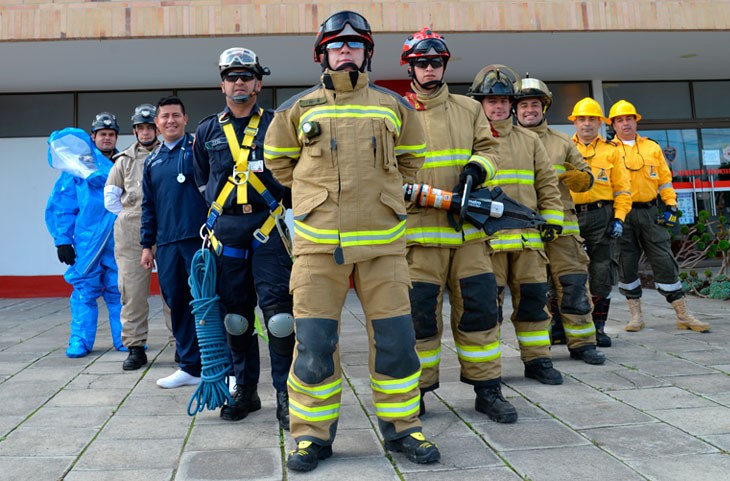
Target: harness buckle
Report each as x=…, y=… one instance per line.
x=260, y=236
x=239, y=178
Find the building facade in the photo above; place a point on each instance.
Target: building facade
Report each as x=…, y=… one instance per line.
x=65, y=60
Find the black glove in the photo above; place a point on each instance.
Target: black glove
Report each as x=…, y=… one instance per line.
x=477, y=174
x=550, y=232
x=66, y=254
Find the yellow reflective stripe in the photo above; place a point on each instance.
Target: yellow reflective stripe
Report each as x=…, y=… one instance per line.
x=486, y=164
x=445, y=158
x=314, y=414
x=320, y=392
x=586, y=330
x=472, y=233
x=434, y=235
x=373, y=237
x=351, y=111
x=515, y=176
x=490, y=352
x=398, y=410
x=395, y=386
x=516, y=241
x=430, y=358
x=271, y=152
x=319, y=236
x=415, y=150
x=570, y=228
x=534, y=338
x=556, y=216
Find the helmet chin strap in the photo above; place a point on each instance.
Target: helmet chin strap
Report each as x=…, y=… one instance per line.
x=431, y=85
x=148, y=143
x=243, y=98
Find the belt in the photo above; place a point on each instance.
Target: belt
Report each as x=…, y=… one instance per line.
x=592, y=206
x=643, y=205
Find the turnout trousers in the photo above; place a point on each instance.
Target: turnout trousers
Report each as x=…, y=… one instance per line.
x=525, y=272
x=320, y=286
x=466, y=271
x=569, y=277
x=642, y=234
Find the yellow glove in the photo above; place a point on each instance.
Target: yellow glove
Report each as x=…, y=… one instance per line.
x=576, y=180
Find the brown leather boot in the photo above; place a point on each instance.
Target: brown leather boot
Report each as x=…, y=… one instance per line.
x=636, y=323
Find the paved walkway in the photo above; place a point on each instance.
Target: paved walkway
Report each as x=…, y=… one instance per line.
x=659, y=409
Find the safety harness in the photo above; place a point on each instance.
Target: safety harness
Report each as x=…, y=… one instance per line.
x=239, y=180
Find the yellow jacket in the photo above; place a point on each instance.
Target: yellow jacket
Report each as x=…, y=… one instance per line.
x=347, y=181
x=561, y=151
x=611, y=179
x=649, y=172
x=457, y=133
x=525, y=173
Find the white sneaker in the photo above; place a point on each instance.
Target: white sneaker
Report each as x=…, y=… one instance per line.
x=178, y=378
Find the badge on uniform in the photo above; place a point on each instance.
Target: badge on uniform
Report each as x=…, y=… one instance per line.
x=652, y=172
x=602, y=175
x=256, y=165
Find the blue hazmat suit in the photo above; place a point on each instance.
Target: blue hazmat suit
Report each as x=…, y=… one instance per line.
x=75, y=215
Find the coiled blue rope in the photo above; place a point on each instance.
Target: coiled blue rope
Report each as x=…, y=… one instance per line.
x=212, y=392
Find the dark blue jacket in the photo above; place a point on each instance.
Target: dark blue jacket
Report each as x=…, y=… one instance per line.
x=171, y=211
x=214, y=162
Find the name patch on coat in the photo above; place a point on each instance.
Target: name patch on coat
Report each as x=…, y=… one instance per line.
x=310, y=102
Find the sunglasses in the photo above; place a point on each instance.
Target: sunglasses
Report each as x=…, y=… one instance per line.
x=235, y=76
x=425, y=62
x=350, y=44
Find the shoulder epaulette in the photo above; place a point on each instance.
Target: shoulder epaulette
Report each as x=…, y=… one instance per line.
x=649, y=138
x=289, y=103
x=400, y=99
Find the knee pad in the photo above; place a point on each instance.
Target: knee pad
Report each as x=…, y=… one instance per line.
x=575, y=296
x=318, y=340
x=532, y=302
x=481, y=312
x=280, y=325
x=235, y=324
x=424, y=301
x=395, y=347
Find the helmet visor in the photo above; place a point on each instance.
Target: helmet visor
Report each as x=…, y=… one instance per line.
x=338, y=21
x=237, y=57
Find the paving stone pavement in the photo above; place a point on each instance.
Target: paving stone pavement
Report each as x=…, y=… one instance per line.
x=659, y=409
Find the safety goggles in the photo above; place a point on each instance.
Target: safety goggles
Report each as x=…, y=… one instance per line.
x=425, y=46
x=436, y=62
x=235, y=76
x=352, y=44
x=338, y=22
x=237, y=56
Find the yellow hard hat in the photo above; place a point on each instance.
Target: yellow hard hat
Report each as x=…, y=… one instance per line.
x=587, y=107
x=623, y=107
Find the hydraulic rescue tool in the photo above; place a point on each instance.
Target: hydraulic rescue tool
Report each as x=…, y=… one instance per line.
x=490, y=210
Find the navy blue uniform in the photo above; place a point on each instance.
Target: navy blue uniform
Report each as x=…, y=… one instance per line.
x=172, y=213
x=248, y=272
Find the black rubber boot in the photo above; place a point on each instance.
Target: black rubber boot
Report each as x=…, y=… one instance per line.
x=542, y=370
x=588, y=354
x=416, y=448
x=245, y=400
x=136, y=359
x=491, y=402
x=307, y=456
x=282, y=409
x=600, y=315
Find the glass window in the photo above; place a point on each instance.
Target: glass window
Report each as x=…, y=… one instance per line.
x=653, y=100
x=680, y=146
x=712, y=99
x=121, y=104
x=285, y=93
x=35, y=115
x=565, y=95
x=201, y=103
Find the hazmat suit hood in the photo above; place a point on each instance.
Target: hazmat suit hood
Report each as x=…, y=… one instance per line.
x=71, y=150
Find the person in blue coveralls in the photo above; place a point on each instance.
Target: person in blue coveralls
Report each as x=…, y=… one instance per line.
x=172, y=212
x=82, y=229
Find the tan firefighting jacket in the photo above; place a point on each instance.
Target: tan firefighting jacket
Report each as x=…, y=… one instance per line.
x=561, y=151
x=126, y=173
x=347, y=176
x=457, y=133
x=610, y=177
x=525, y=173
x=648, y=170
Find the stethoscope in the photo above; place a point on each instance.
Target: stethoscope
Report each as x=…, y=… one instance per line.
x=180, y=159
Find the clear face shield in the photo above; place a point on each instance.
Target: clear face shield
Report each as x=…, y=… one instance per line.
x=70, y=150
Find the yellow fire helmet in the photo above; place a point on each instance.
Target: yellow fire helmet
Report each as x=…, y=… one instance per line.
x=587, y=107
x=622, y=107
